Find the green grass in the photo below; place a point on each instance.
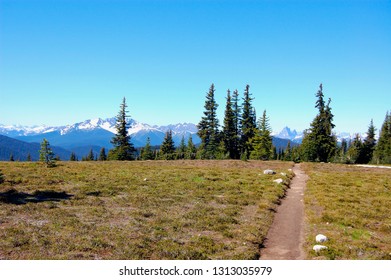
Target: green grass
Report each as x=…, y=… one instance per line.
x=137, y=210
x=352, y=206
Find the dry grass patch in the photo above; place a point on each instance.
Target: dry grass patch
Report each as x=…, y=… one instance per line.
x=351, y=205
x=137, y=210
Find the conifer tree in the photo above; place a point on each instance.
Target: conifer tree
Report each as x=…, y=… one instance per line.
x=342, y=151
x=147, y=153
x=181, y=150
x=229, y=133
x=46, y=154
x=319, y=144
x=382, y=153
x=90, y=156
x=288, y=152
x=167, y=149
x=355, y=151
x=102, y=154
x=11, y=157
x=262, y=141
x=28, y=157
x=208, y=127
x=73, y=157
x=248, y=123
x=236, y=114
x=123, y=148
x=191, y=149
x=369, y=144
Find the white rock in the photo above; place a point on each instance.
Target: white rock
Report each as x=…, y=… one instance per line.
x=283, y=174
x=269, y=172
x=318, y=248
x=321, y=238
x=278, y=181
x=145, y=179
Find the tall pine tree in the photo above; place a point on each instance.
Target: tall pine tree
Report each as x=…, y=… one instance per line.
x=355, y=151
x=262, y=141
x=229, y=133
x=102, y=154
x=319, y=143
x=191, y=149
x=147, y=153
x=181, y=150
x=123, y=148
x=167, y=148
x=236, y=114
x=46, y=154
x=369, y=144
x=208, y=127
x=382, y=153
x=248, y=123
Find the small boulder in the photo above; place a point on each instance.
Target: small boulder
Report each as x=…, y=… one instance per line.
x=318, y=248
x=269, y=172
x=145, y=179
x=320, y=238
x=278, y=181
x=283, y=174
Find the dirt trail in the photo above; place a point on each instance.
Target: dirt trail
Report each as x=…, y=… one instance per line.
x=285, y=238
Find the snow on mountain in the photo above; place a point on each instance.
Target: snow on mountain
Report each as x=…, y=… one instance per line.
x=96, y=130
x=287, y=133
x=19, y=130
x=294, y=136
x=180, y=128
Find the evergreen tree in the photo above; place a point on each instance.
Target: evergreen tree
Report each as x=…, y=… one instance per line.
x=46, y=154
x=123, y=148
x=262, y=141
x=369, y=144
x=191, y=149
x=319, y=144
x=90, y=156
x=181, y=150
x=229, y=134
x=208, y=127
x=11, y=157
x=288, y=152
x=248, y=123
x=236, y=116
x=73, y=157
x=167, y=149
x=147, y=153
x=355, y=151
x=28, y=157
x=382, y=153
x=102, y=154
x=342, y=151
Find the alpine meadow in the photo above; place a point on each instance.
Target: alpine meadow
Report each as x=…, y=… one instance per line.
x=181, y=155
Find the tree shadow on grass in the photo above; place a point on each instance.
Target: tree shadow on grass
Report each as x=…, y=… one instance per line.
x=14, y=197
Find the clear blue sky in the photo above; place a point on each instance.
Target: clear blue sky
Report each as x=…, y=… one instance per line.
x=67, y=61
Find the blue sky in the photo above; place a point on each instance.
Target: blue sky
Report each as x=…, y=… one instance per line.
x=67, y=61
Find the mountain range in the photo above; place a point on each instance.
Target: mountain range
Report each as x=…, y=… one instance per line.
x=97, y=133
x=83, y=136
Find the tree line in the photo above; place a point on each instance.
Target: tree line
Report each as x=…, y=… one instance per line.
x=242, y=136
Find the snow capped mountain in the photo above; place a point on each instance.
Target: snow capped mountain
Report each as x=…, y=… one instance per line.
x=105, y=124
x=287, y=133
x=19, y=130
x=294, y=136
x=99, y=132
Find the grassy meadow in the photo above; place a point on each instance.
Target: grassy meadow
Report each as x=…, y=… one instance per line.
x=352, y=206
x=138, y=210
